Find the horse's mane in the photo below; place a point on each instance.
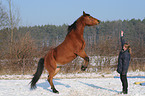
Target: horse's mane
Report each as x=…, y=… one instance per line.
x=73, y=26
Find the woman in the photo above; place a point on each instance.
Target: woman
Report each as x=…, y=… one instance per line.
x=123, y=64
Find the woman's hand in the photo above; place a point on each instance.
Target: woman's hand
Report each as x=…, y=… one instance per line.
x=121, y=33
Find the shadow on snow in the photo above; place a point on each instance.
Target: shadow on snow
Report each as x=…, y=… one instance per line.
x=45, y=85
x=97, y=87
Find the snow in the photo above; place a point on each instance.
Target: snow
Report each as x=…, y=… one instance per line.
x=82, y=84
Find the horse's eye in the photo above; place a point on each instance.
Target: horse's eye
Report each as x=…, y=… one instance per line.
x=90, y=17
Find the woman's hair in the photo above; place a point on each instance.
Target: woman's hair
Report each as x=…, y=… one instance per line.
x=128, y=47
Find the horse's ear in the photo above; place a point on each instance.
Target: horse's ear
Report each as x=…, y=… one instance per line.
x=84, y=13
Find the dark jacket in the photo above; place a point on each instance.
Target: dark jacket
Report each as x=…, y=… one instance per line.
x=123, y=60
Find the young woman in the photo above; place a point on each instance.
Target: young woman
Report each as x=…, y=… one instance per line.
x=123, y=64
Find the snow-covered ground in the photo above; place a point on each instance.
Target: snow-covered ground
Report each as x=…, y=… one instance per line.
x=83, y=84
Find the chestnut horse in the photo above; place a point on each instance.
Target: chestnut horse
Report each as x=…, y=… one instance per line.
x=68, y=50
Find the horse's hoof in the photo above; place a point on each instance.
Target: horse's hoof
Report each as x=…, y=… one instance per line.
x=55, y=91
x=83, y=68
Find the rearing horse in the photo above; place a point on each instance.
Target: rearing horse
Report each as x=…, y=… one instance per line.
x=68, y=50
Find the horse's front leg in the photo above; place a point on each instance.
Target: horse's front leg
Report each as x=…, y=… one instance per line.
x=85, y=65
x=83, y=54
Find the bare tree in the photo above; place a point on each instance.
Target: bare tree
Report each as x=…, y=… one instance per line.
x=13, y=22
x=11, y=25
x=8, y=21
x=3, y=17
x=24, y=47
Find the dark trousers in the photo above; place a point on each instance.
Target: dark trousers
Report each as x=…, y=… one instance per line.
x=124, y=82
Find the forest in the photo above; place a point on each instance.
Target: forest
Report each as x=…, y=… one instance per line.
x=102, y=40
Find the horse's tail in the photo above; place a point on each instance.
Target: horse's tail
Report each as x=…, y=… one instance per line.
x=38, y=73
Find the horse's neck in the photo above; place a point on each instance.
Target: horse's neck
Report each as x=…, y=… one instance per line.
x=79, y=31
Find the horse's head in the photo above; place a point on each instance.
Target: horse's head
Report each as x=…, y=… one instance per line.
x=89, y=20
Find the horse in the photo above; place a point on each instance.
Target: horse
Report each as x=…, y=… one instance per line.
x=68, y=50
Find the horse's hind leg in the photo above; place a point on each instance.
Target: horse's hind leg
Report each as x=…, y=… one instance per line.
x=51, y=71
x=50, y=65
x=50, y=80
x=56, y=71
